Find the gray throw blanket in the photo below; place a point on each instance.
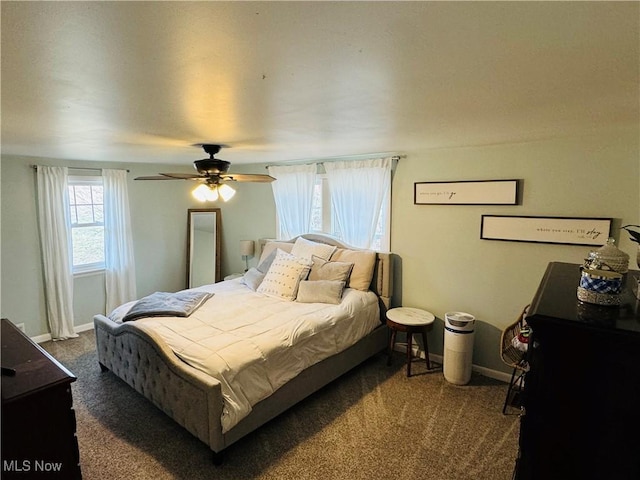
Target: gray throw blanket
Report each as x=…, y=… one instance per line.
x=163, y=304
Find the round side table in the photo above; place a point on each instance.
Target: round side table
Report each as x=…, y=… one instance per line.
x=409, y=320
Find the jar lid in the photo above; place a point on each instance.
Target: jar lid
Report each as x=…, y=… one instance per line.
x=608, y=257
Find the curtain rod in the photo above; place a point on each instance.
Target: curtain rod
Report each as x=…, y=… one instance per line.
x=338, y=159
x=35, y=167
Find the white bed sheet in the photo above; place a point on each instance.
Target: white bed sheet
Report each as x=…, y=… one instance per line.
x=253, y=343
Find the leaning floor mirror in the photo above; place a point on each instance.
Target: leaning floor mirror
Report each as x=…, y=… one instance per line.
x=203, y=246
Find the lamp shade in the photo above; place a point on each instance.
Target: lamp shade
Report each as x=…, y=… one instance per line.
x=226, y=192
x=210, y=193
x=247, y=248
x=205, y=193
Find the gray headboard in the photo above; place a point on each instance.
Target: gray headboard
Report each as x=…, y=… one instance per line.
x=382, y=281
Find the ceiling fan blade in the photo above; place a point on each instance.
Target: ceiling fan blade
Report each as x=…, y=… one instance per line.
x=155, y=177
x=247, y=177
x=184, y=176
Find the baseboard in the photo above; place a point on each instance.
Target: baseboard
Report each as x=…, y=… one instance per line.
x=487, y=372
x=47, y=336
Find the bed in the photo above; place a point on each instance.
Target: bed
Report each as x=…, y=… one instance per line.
x=185, y=364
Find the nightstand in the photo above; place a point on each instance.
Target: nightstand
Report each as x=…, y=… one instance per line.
x=409, y=320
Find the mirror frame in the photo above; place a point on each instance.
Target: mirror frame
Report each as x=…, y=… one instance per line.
x=218, y=223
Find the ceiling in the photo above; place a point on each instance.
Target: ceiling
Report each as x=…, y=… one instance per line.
x=292, y=81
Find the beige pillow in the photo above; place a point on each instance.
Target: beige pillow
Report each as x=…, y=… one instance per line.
x=272, y=246
x=284, y=275
x=304, y=248
x=364, y=262
x=320, y=291
x=323, y=270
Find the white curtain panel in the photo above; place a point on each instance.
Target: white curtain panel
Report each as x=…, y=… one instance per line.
x=120, y=271
x=357, y=190
x=55, y=226
x=293, y=195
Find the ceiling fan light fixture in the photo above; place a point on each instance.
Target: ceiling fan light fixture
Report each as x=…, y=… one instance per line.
x=205, y=193
x=226, y=192
x=211, y=193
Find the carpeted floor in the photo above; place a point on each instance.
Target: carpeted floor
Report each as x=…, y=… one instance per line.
x=372, y=423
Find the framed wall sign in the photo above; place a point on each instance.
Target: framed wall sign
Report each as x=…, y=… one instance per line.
x=466, y=192
x=560, y=230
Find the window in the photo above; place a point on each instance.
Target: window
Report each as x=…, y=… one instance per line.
x=323, y=220
x=350, y=201
x=87, y=223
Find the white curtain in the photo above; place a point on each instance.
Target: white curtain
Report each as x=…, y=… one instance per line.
x=55, y=226
x=120, y=275
x=358, y=189
x=293, y=194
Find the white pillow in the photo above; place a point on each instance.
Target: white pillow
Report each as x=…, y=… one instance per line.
x=304, y=248
x=284, y=275
x=264, y=265
x=253, y=278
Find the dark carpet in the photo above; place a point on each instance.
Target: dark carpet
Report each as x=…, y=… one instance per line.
x=372, y=423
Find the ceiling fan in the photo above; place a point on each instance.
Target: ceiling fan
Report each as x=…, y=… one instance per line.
x=212, y=176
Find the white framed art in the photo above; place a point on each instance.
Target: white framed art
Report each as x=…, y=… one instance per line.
x=466, y=192
x=560, y=230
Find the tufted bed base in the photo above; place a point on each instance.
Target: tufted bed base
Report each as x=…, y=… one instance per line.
x=194, y=399
x=141, y=358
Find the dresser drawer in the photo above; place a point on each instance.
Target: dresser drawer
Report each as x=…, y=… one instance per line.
x=38, y=421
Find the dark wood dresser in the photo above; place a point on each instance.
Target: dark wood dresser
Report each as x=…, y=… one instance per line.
x=582, y=394
x=38, y=421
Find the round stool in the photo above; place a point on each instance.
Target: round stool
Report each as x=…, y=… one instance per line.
x=409, y=320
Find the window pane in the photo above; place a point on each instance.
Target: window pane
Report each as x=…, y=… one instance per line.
x=83, y=194
x=96, y=190
x=88, y=245
x=85, y=214
x=316, y=207
x=74, y=214
x=98, y=212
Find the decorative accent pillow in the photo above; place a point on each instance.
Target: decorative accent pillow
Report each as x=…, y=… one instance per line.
x=323, y=270
x=272, y=246
x=364, y=262
x=253, y=278
x=304, y=248
x=320, y=291
x=284, y=276
x=263, y=266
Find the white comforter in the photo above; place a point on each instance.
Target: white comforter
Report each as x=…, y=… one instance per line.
x=253, y=344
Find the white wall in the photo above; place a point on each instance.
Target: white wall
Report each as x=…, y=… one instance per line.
x=159, y=218
x=442, y=263
x=445, y=264
x=159, y=222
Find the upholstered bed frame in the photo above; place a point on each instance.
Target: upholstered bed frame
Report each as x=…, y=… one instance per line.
x=194, y=399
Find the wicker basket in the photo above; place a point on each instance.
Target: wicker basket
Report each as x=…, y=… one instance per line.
x=515, y=358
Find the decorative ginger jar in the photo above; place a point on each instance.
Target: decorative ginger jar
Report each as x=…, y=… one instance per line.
x=602, y=276
x=609, y=257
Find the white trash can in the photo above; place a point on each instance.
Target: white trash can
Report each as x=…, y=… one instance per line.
x=458, y=347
